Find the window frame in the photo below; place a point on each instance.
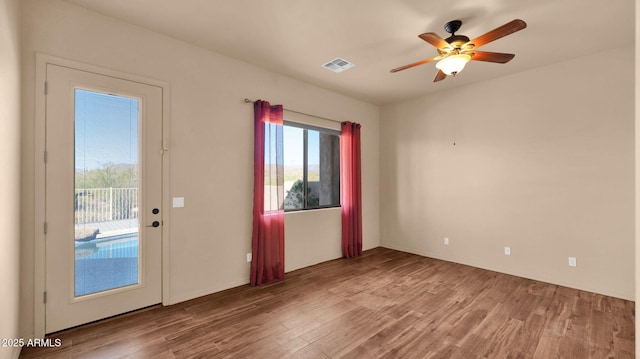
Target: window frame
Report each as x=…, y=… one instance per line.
x=305, y=160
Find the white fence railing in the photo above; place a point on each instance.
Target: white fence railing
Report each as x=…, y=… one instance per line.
x=105, y=204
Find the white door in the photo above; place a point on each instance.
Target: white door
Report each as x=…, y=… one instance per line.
x=103, y=196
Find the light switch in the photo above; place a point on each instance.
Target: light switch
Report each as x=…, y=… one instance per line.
x=178, y=202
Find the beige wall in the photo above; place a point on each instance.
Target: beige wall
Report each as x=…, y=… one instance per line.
x=211, y=147
x=10, y=178
x=304, y=247
x=543, y=163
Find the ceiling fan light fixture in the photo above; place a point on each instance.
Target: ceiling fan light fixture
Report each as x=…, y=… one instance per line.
x=453, y=64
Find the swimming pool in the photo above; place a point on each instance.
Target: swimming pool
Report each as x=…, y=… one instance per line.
x=122, y=246
x=106, y=263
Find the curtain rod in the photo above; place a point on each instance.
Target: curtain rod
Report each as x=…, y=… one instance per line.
x=246, y=100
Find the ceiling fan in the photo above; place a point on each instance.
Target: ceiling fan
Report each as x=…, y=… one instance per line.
x=456, y=50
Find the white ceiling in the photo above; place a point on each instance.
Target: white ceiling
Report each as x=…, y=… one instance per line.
x=295, y=37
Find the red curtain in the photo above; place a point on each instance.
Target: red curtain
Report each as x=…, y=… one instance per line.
x=350, y=190
x=267, y=263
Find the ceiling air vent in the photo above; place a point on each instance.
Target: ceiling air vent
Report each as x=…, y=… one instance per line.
x=338, y=65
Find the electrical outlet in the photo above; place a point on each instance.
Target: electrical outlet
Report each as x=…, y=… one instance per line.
x=507, y=251
x=572, y=262
x=249, y=257
x=446, y=241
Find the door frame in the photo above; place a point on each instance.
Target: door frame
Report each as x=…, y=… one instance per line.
x=42, y=60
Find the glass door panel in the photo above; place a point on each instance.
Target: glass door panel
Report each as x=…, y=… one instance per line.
x=106, y=192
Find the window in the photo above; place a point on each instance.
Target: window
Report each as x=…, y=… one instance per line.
x=311, y=167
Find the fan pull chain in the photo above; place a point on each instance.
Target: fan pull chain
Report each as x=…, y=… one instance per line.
x=455, y=95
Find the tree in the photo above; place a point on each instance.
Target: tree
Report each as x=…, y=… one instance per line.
x=109, y=175
x=295, y=197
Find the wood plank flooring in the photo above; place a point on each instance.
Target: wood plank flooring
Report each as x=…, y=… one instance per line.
x=385, y=304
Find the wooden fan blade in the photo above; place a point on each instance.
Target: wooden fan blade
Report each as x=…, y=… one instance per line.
x=440, y=76
x=415, y=64
x=435, y=40
x=498, y=57
x=495, y=34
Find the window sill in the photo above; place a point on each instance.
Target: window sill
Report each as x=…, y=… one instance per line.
x=311, y=210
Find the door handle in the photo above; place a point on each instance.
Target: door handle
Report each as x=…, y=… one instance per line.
x=155, y=224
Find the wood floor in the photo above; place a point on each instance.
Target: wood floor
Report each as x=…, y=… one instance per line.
x=385, y=304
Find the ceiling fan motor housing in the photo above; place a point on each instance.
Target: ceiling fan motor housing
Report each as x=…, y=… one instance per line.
x=456, y=41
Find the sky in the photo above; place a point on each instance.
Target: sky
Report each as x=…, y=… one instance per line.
x=294, y=146
x=106, y=129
